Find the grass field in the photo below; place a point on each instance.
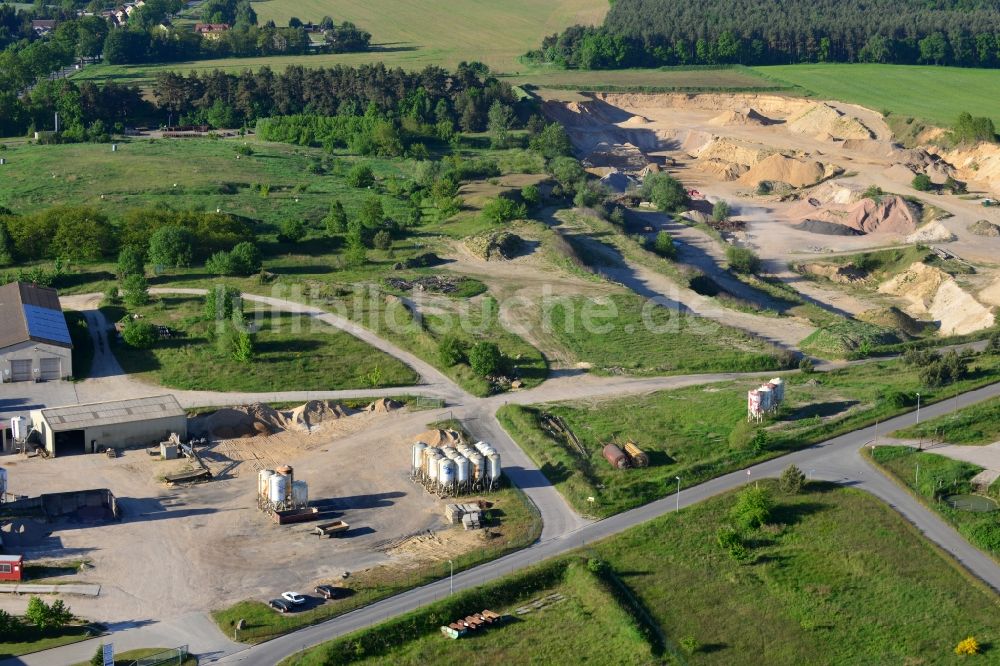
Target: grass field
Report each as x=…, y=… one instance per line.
x=291, y=353
x=515, y=524
x=829, y=581
x=45, y=640
x=933, y=478
x=701, y=432
x=973, y=425
x=935, y=94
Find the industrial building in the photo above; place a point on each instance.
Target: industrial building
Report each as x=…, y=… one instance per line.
x=117, y=424
x=34, y=338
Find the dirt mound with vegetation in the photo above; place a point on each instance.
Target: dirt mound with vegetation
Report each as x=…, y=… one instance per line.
x=823, y=119
x=495, y=245
x=847, y=274
x=841, y=339
x=796, y=172
x=931, y=291
x=894, y=319
x=985, y=228
x=383, y=406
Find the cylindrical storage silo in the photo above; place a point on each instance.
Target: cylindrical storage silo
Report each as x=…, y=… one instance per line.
x=480, y=446
x=429, y=453
x=417, y=460
x=449, y=452
x=433, y=465
x=477, y=467
x=779, y=389
x=277, y=488
x=493, y=467
x=766, y=397
x=263, y=477
x=300, y=493
x=462, y=470
x=3, y=482
x=446, y=472
x=615, y=456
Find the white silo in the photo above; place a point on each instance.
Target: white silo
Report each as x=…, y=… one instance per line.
x=766, y=398
x=417, y=459
x=493, y=467
x=462, y=468
x=477, y=467
x=300, y=493
x=446, y=472
x=434, y=464
x=779, y=389
x=483, y=447
x=277, y=488
x=449, y=452
x=263, y=477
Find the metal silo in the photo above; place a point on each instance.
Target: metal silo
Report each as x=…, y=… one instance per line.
x=477, y=467
x=446, y=472
x=493, y=467
x=779, y=389
x=263, y=477
x=300, y=493
x=766, y=398
x=277, y=488
x=449, y=452
x=462, y=469
x=483, y=447
x=3, y=483
x=416, y=462
x=432, y=465
x=429, y=453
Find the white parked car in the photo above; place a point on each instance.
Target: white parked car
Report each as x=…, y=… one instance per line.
x=293, y=598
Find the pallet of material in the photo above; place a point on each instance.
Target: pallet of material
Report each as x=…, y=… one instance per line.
x=336, y=528
x=474, y=622
x=472, y=521
x=189, y=477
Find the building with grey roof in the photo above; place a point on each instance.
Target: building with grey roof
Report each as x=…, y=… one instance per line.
x=115, y=424
x=34, y=338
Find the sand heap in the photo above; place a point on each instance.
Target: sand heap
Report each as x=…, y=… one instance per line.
x=439, y=437
x=383, y=406
x=242, y=421
x=314, y=412
x=732, y=150
x=980, y=164
x=991, y=294
x=741, y=117
x=887, y=215
x=985, y=228
x=935, y=232
x=791, y=170
x=823, y=120
x=931, y=291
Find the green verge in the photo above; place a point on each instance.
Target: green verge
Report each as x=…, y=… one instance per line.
x=973, y=425
x=701, y=432
x=46, y=640
x=940, y=477
x=831, y=560
x=291, y=353
x=516, y=520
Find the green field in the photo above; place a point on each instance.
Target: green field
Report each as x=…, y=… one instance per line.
x=974, y=425
x=831, y=580
x=291, y=353
x=45, y=640
x=933, y=478
x=935, y=94
x=701, y=432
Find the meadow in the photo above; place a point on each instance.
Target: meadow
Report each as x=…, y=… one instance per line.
x=701, y=432
x=828, y=563
x=974, y=425
x=934, y=94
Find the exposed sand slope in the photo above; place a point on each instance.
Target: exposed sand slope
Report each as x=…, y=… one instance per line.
x=931, y=291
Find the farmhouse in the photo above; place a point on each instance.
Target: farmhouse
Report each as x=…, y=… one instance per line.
x=210, y=30
x=115, y=424
x=34, y=338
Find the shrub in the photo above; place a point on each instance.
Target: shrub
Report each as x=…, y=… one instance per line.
x=360, y=175
x=10, y=625
x=501, y=209
x=742, y=260
x=732, y=542
x=221, y=302
x=130, y=262
x=139, y=333
x=382, y=240
x=531, y=195
x=243, y=347
x=451, y=351
x=791, y=480
x=663, y=245
x=993, y=345
x=485, y=359
x=336, y=219
x=807, y=366
x=753, y=507
x=171, y=247
x=969, y=646
x=690, y=644
x=720, y=211
x=922, y=182
x=111, y=296
x=292, y=231
x=135, y=290
x=665, y=191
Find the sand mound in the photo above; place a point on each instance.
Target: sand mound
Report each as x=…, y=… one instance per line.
x=740, y=117
x=985, y=228
x=834, y=192
x=383, y=406
x=723, y=170
x=795, y=172
x=439, y=437
x=991, y=294
x=893, y=318
x=935, y=232
x=889, y=214
x=315, y=412
x=824, y=119
x=848, y=274
x=241, y=421
x=931, y=291
x=634, y=121
x=980, y=164
x=731, y=150
x=772, y=106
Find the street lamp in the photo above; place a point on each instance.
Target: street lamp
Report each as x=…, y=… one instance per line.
x=918, y=409
x=451, y=579
x=678, y=493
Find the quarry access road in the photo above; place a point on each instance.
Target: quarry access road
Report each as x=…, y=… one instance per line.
x=838, y=460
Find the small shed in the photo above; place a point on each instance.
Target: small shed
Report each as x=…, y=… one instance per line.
x=11, y=567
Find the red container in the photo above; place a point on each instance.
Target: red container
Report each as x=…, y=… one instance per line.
x=11, y=567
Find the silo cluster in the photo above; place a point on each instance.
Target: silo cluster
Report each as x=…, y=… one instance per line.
x=765, y=399
x=455, y=470
x=277, y=490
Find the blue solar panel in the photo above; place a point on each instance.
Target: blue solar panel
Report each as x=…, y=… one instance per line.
x=46, y=324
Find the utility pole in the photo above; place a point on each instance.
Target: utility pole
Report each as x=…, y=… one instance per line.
x=918, y=409
x=678, y=494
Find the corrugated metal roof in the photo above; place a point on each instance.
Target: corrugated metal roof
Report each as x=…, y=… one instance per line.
x=11, y=558
x=20, y=305
x=77, y=417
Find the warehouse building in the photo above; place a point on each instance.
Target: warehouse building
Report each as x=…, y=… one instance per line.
x=117, y=424
x=34, y=338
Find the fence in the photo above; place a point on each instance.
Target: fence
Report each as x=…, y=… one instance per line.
x=175, y=655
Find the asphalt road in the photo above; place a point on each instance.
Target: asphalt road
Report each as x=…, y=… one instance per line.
x=838, y=460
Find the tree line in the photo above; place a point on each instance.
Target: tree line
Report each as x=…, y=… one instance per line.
x=645, y=33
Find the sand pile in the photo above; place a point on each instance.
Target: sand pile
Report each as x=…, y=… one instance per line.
x=980, y=164
x=241, y=421
x=991, y=294
x=931, y=291
x=731, y=150
x=635, y=121
x=742, y=117
x=723, y=170
x=935, y=232
x=835, y=192
x=795, y=172
x=888, y=214
x=495, y=245
x=985, y=228
x=439, y=437
x=383, y=406
x=824, y=119
x=848, y=274
x=314, y=412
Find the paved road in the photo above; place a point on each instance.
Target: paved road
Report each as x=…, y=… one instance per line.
x=838, y=460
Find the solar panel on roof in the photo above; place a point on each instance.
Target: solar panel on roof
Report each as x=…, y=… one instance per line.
x=46, y=324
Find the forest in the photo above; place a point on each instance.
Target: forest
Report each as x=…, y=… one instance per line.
x=652, y=33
